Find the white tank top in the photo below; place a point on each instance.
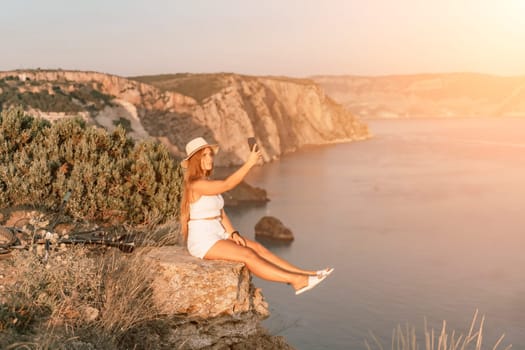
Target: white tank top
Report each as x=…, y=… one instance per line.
x=206, y=207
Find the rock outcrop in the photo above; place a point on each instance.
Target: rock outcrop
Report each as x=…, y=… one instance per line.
x=211, y=304
x=428, y=95
x=283, y=114
x=272, y=228
x=185, y=285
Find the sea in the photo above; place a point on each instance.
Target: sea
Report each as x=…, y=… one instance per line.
x=424, y=224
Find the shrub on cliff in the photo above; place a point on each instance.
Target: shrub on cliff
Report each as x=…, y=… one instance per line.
x=62, y=96
x=108, y=174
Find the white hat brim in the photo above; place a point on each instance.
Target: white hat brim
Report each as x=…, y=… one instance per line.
x=214, y=148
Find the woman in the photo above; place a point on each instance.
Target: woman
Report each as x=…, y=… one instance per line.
x=209, y=232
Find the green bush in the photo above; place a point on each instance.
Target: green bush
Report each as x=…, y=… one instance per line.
x=108, y=174
x=58, y=102
x=87, y=96
x=124, y=123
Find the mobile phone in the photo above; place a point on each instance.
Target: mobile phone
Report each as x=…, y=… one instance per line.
x=251, y=142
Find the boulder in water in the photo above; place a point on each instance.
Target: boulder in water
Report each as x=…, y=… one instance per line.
x=272, y=228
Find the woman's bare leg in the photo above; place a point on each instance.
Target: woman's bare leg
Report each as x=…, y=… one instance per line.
x=274, y=259
x=229, y=250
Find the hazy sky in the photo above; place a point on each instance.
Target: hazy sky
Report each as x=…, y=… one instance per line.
x=265, y=37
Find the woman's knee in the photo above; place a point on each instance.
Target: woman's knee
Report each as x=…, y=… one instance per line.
x=231, y=251
x=258, y=248
x=248, y=254
x=227, y=250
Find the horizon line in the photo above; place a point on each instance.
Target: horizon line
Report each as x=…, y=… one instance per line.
x=268, y=75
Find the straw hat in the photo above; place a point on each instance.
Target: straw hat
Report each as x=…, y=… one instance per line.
x=196, y=145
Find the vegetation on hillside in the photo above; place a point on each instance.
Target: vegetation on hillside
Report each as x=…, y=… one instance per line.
x=285, y=79
x=80, y=297
x=198, y=86
x=202, y=86
x=57, y=96
x=107, y=173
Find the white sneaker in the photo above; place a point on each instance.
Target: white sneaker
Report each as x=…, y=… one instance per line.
x=326, y=272
x=312, y=282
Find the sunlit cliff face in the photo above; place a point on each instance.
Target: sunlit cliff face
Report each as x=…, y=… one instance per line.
x=207, y=159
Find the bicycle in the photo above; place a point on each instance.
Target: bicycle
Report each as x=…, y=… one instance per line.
x=41, y=230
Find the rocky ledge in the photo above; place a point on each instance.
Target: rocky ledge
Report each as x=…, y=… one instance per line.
x=185, y=285
x=209, y=304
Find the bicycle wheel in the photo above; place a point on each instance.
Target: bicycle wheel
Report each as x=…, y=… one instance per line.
x=7, y=239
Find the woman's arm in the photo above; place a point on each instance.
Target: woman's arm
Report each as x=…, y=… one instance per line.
x=211, y=187
x=232, y=233
x=226, y=223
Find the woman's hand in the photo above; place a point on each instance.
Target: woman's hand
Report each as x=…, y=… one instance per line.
x=238, y=239
x=254, y=156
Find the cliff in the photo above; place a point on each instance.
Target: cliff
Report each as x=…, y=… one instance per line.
x=428, y=95
x=157, y=297
x=184, y=285
x=283, y=114
x=220, y=308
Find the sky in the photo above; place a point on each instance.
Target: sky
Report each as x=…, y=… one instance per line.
x=265, y=37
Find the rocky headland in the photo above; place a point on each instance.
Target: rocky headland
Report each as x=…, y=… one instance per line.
x=448, y=95
x=283, y=114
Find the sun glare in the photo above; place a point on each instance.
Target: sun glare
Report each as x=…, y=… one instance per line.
x=513, y=12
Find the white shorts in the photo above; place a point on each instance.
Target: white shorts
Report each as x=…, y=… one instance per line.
x=203, y=234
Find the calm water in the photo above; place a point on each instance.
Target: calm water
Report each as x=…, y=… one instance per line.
x=426, y=219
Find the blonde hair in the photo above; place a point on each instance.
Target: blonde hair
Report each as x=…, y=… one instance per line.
x=193, y=172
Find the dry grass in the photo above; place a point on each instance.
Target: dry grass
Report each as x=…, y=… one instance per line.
x=127, y=294
x=406, y=339
x=78, y=298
